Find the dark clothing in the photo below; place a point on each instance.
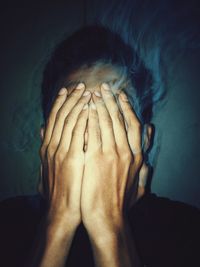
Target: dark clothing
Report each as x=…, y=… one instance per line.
x=166, y=233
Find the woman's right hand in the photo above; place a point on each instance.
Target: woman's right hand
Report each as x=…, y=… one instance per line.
x=62, y=156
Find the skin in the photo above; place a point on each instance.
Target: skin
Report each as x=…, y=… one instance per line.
x=62, y=158
x=75, y=144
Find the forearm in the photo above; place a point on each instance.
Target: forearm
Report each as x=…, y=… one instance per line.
x=52, y=245
x=114, y=247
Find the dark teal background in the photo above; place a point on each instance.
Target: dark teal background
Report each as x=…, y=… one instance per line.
x=30, y=29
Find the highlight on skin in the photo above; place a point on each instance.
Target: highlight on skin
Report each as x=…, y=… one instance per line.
x=97, y=74
x=94, y=76
x=86, y=56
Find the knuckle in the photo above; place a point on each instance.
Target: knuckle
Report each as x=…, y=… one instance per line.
x=127, y=108
x=74, y=131
x=140, y=158
x=42, y=151
x=50, y=152
x=67, y=121
x=80, y=118
x=77, y=130
x=108, y=122
x=58, y=99
x=76, y=94
x=115, y=109
x=112, y=157
x=59, y=156
x=127, y=156
x=74, y=157
x=71, y=157
x=119, y=117
x=59, y=114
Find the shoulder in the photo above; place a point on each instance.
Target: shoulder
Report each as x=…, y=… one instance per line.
x=165, y=211
x=167, y=232
x=151, y=203
x=20, y=216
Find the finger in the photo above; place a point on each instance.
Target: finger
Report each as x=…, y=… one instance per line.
x=52, y=116
x=133, y=124
x=77, y=141
x=70, y=122
x=106, y=125
x=63, y=112
x=94, y=143
x=119, y=127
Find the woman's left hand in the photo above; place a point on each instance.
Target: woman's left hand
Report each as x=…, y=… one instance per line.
x=113, y=160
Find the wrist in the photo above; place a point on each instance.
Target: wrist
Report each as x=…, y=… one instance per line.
x=107, y=229
x=114, y=245
x=60, y=227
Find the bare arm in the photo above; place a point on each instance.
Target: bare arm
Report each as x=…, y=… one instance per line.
x=113, y=247
x=112, y=163
x=62, y=159
x=52, y=244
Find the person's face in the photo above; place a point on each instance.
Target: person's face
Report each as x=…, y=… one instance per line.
x=93, y=77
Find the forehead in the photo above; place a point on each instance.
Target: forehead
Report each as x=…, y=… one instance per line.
x=93, y=76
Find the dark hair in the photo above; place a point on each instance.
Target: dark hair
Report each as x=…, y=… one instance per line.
x=87, y=46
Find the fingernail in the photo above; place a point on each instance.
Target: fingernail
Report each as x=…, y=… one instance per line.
x=85, y=106
x=97, y=93
x=124, y=97
x=86, y=93
x=93, y=106
x=80, y=86
x=105, y=86
x=62, y=91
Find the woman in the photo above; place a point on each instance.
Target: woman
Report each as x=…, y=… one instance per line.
x=93, y=210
